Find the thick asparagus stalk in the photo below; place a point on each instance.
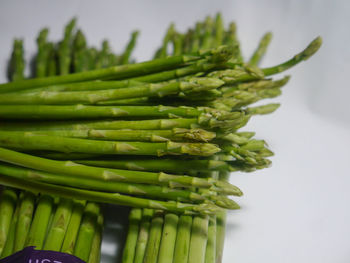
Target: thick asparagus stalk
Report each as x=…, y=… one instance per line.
x=199, y=237
x=24, y=220
x=155, y=235
x=65, y=49
x=40, y=222
x=7, y=207
x=210, y=251
x=261, y=49
x=73, y=227
x=95, y=253
x=59, y=225
x=143, y=235
x=42, y=57
x=17, y=63
x=167, y=244
x=183, y=237
x=87, y=231
x=131, y=240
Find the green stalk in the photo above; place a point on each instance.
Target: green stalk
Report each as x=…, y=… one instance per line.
x=87, y=231
x=129, y=48
x=7, y=207
x=167, y=38
x=183, y=237
x=80, y=55
x=17, y=63
x=57, y=232
x=73, y=227
x=39, y=226
x=210, y=256
x=24, y=220
x=199, y=238
x=42, y=57
x=74, y=169
x=115, y=198
x=132, y=236
x=176, y=134
x=207, y=39
x=143, y=235
x=95, y=253
x=155, y=235
x=65, y=49
x=93, y=97
x=52, y=66
x=167, y=244
x=219, y=30
x=261, y=49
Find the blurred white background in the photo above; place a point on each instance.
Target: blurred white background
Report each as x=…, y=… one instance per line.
x=296, y=211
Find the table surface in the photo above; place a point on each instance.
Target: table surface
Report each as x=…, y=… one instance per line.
x=296, y=210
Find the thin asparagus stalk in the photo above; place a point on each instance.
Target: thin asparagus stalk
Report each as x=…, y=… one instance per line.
x=95, y=253
x=167, y=244
x=143, y=235
x=114, y=198
x=129, y=48
x=74, y=169
x=87, y=231
x=59, y=225
x=155, y=235
x=176, y=134
x=207, y=39
x=177, y=43
x=153, y=191
x=93, y=97
x=199, y=237
x=10, y=241
x=52, y=66
x=131, y=240
x=219, y=30
x=28, y=141
x=7, y=207
x=17, y=63
x=64, y=49
x=183, y=238
x=232, y=39
x=210, y=256
x=220, y=227
x=24, y=220
x=120, y=72
x=73, y=227
x=169, y=34
x=42, y=57
x=261, y=49
x=79, y=52
x=40, y=222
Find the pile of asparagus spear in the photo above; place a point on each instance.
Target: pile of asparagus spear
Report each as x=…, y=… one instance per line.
x=161, y=136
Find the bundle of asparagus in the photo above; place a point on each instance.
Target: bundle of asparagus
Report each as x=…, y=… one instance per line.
x=156, y=236
x=177, y=115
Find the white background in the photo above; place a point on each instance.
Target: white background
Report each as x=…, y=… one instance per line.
x=296, y=211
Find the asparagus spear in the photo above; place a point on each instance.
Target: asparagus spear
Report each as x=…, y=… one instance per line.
x=87, y=231
x=167, y=244
x=95, y=253
x=207, y=38
x=24, y=220
x=73, y=227
x=210, y=256
x=155, y=234
x=169, y=34
x=52, y=66
x=7, y=207
x=219, y=30
x=64, y=49
x=121, y=72
x=183, y=238
x=93, y=97
x=42, y=57
x=17, y=63
x=59, y=225
x=40, y=222
x=131, y=240
x=261, y=49
x=143, y=235
x=129, y=48
x=199, y=237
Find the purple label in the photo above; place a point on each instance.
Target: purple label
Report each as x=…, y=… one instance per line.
x=30, y=255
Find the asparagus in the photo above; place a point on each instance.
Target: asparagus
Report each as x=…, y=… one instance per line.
x=155, y=234
x=95, y=253
x=210, y=256
x=121, y=72
x=73, y=227
x=87, y=231
x=42, y=57
x=183, y=237
x=143, y=235
x=17, y=63
x=199, y=237
x=167, y=244
x=59, y=225
x=169, y=34
x=261, y=49
x=131, y=240
x=7, y=208
x=219, y=30
x=40, y=222
x=64, y=49
x=93, y=97
x=207, y=38
x=129, y=48
x=52, y=66
x=176, y=134
x=24, y=220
